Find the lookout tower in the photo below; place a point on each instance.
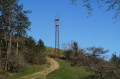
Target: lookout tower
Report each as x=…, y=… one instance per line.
x=57, y=53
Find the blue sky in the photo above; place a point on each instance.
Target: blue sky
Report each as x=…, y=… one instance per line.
x=98, y=30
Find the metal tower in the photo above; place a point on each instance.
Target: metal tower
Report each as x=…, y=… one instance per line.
x=57, y=53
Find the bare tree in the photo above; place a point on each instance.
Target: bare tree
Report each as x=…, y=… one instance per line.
x=113, y=5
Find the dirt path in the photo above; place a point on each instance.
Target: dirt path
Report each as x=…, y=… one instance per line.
x=54, y=66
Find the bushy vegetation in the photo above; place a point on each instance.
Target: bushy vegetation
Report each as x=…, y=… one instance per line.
x=16, y=48
x=94, y=58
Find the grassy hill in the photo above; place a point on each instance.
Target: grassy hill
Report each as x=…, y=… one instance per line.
x=66, y=71
x=50, y=51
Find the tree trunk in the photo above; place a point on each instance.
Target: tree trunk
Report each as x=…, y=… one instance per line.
x=6, y=58
x=10, y=44
x=10, y=38
x=17, y=45
x=6, y=47
x=1, y=41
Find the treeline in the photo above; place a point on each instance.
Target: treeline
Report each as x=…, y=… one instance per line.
x=93, y=57
x=16, y=49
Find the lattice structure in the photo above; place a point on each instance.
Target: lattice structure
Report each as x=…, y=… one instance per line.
x=57, y=53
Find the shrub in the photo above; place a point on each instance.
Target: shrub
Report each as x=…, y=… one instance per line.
x=16, y=62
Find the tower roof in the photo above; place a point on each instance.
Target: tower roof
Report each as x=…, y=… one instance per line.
x=57, y=19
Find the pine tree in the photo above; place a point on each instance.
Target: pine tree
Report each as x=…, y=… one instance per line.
x=114, y=59
x=41, y=44
x=22, y=24
x=13, y=20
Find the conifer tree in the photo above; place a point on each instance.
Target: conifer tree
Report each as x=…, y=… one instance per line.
x=13, y=20
x=22, y=24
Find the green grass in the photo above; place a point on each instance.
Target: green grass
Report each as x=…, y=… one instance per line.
x=66, y=71
x=29, y=70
